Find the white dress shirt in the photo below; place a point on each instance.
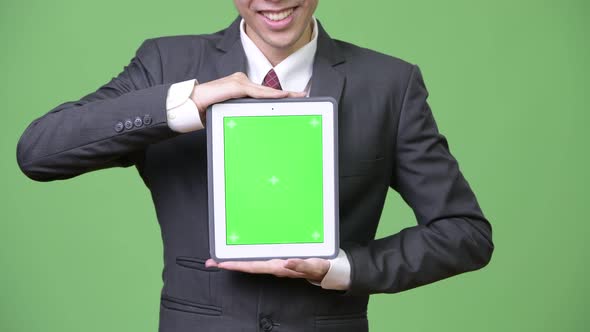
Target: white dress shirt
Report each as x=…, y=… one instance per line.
x=294, y=74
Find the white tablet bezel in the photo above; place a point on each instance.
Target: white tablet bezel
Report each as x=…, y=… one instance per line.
x=323, y=106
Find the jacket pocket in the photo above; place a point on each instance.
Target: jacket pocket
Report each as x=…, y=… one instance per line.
x=177, y=304
x=191, y=280
x=356, y=322
x=195, y=263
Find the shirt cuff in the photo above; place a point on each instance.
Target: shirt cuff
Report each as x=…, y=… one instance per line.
x=338, y=275
x=182, y=112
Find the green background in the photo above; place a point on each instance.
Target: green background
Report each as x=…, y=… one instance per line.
x=273, y=179
x=509, y=86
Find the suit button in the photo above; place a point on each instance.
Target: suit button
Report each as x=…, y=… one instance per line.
x=147, y=120
x=119, y=127
x=137, y=122
x=128, y=124
x=266, y=324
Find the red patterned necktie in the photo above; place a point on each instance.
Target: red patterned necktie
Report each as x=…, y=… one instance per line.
x=271, y=80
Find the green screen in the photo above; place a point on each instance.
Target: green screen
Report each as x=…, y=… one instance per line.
x=273, y=179
x=508, y=83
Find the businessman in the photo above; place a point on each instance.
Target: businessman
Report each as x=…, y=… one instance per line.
x=152, y=116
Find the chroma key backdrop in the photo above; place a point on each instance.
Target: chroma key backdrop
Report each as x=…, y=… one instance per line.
x=508, y=83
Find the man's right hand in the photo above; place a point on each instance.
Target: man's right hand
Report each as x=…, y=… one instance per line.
x=236, y=85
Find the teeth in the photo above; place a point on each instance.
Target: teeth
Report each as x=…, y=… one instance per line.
x=274, y=16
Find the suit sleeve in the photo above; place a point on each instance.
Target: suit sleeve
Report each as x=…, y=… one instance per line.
x=452, y=235
x=106, y=128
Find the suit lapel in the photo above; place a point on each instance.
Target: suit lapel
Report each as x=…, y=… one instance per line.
x=326, y=80
x=234, y=58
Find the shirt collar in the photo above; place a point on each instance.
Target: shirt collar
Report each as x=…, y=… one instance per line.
x=294, y=72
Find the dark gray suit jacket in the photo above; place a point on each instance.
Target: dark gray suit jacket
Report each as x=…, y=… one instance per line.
x=388, y=138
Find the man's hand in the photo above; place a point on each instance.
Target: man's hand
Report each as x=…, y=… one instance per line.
x=313, y=269
x=236, y=85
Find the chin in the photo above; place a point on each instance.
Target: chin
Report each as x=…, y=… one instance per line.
x=281, y=43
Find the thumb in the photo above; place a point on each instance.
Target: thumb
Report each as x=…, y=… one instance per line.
x=210, y=263
x=296, y=264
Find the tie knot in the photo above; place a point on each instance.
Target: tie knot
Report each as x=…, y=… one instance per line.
x=271, y=80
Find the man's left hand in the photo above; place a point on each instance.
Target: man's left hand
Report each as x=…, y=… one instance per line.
x=313, y=269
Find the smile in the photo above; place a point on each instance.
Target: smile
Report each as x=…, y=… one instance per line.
x=277, y=16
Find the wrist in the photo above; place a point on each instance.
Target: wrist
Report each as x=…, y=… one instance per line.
x=201, y=107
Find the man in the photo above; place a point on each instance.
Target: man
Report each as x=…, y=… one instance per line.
x=152, y=114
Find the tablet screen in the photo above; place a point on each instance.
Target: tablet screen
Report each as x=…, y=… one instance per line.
x=273, y=179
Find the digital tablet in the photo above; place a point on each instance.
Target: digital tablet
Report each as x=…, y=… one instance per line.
x=272, y=178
